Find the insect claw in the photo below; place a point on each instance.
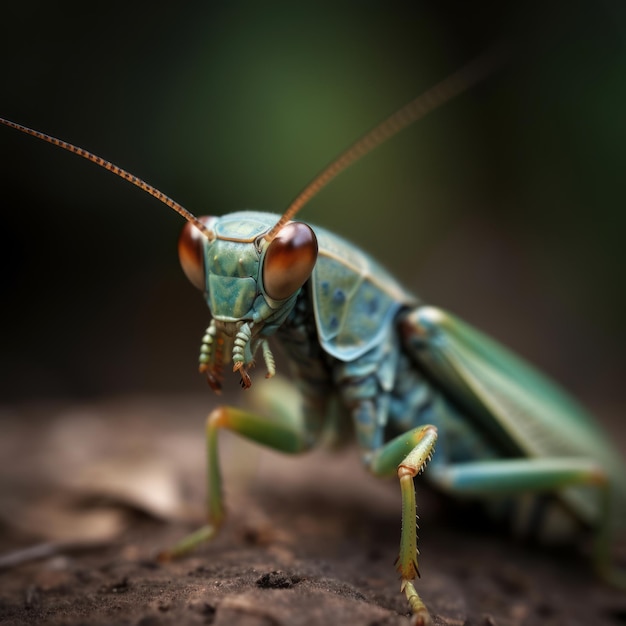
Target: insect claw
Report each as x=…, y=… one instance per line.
x=246, y=381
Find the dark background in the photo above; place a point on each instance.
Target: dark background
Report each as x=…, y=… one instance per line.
x=506, y=206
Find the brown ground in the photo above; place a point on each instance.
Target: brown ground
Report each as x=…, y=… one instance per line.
x=310, y=540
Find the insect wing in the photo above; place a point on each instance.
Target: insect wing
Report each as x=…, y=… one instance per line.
x=513, y=399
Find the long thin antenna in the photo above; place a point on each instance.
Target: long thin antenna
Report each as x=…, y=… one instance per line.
x=118, y=171
x=453, y=85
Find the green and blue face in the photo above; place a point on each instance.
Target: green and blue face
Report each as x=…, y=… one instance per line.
x=250, y=284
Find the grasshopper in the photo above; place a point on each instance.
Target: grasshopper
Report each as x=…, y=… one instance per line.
x=365, y=350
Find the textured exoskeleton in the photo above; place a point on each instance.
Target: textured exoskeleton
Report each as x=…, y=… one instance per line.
x=404, y=375
x=364, y=349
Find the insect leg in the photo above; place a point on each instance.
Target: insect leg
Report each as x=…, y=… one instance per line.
x=393, y=457
x=550, y=442
x=522, y=475
x=285, y=431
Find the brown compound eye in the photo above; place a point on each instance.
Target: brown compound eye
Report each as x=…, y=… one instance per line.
x=191, y=252
x=289, y=260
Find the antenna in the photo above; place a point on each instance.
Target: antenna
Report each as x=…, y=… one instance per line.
x=453, y=85
x=118, y=171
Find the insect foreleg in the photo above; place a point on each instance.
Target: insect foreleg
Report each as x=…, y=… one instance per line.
x=420, y=443
x=285, y=431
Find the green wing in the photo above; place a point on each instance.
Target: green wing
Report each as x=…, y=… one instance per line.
x=511, y=398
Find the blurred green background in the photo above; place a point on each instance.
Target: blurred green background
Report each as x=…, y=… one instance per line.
x=505, y=206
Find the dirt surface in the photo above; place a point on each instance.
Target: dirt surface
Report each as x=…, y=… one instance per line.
x=309, y=540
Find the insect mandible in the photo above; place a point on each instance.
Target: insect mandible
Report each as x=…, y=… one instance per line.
x=406, y=374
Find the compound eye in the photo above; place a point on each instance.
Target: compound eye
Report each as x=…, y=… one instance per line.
x=191, y=252
x=289, y=260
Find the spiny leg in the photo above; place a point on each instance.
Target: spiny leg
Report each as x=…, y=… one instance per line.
x=420, y=443
x=285, y=432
